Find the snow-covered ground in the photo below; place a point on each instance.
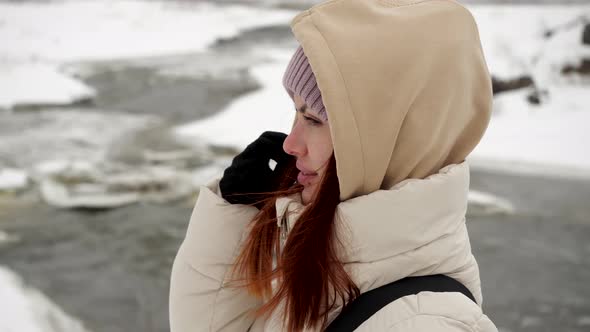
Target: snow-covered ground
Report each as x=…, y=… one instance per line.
x=550, y=138
x=547, y=139
x=12, y=179
x=27, y=309
x=37, y=38
x=514, y=42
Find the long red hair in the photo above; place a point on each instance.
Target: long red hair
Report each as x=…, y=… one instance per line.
x=310, y=277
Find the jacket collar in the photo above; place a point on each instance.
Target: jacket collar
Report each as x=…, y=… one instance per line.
x=416, y=227
x=411, y=214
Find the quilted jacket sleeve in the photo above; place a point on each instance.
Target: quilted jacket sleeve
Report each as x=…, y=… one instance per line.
x=199, y=301
x=421, y=323
x=430, y=311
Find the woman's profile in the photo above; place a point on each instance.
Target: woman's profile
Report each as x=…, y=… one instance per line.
x=368, y=188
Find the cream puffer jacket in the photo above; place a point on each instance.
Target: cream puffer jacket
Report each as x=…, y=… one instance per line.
x=415, y=228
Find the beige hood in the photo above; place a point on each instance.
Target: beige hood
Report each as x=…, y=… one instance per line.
x=405, y=85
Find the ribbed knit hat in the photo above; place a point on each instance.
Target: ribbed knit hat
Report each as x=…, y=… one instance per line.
x=299, y=79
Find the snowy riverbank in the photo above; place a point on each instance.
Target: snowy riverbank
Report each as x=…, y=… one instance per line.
x=40, y=38
x=547, y=138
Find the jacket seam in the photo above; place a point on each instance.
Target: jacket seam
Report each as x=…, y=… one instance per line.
x=413, y=250
x=194, y=269
x=469, y=327
x=479, y=319
x=345, y=87
x=221, y=287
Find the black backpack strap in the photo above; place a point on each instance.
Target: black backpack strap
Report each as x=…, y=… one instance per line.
x=372, y=301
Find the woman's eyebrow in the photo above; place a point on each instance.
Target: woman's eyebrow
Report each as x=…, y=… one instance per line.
x=301, y=109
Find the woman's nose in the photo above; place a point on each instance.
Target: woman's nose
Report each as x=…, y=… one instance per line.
x=294, y=143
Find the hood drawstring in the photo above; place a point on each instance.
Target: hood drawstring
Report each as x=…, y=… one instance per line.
x=284, y=232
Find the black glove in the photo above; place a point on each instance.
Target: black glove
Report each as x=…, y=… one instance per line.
x=250, y=171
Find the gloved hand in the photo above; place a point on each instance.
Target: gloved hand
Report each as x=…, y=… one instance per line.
x=250, y=171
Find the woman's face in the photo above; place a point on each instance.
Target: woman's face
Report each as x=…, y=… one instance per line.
x=310, y=142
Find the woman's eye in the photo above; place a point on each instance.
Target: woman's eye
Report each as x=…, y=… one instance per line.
x=312, y=121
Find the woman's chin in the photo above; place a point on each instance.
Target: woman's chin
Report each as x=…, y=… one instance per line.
x=306, y=195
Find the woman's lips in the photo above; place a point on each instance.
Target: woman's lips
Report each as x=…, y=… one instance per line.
x=303, y=178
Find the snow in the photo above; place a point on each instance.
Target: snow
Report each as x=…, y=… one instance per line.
x=548, y=139
x=27, y=309
x=513, y=39
x=486, y=203
x=12, y=179
x=82, y=184
x=8, y=238
x=85, y=196
x=203, y=175
x=39, y=38
x=97, y=30
x=551, y=138
x=39, y=84
x=266, y=109
x=57, y=166
x=29, y=138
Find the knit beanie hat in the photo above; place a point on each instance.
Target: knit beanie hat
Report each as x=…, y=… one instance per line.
x=299, y=79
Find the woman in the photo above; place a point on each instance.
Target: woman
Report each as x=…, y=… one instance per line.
x=369, y=187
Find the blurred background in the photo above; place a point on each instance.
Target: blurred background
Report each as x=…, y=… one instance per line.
x=113, y=113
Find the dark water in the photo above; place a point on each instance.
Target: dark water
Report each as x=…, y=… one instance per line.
x=535, y=264
x=142, y=87
x=108, y=268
